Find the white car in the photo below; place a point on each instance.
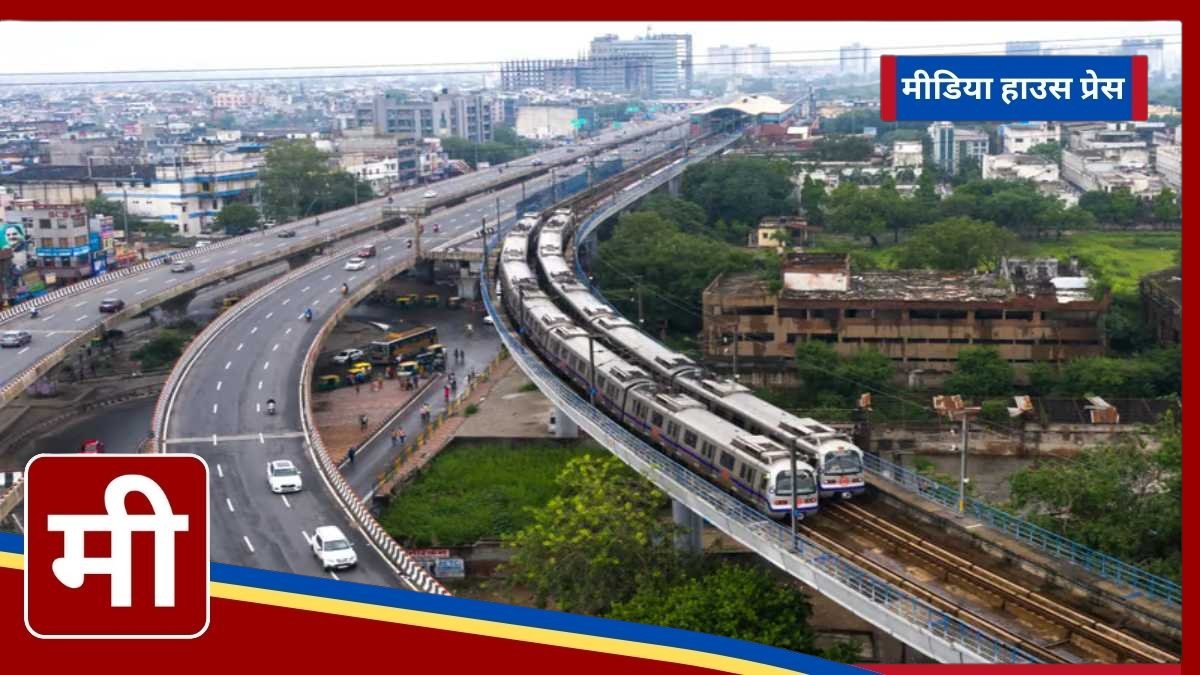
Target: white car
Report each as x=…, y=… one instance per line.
x=487, y=320
x=332, y=548
x=430, y=194
x=348, y=356
x=537, y=162
x=355, y=264
x=283, y=476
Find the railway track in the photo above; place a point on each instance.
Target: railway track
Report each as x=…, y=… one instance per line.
x=1076, y=624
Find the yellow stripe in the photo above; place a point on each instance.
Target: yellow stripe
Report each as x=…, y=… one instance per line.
x=481, y=627
x=494, y=629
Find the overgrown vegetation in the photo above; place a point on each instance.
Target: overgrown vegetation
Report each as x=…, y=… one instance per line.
x=164, y=349
x=504, y=147
x=474, y=492
x=298, y=181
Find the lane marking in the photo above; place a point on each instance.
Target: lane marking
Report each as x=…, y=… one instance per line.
x=219, y=385
x=316, y=302
x=275, y=347
x=262, y=439
x=305, y=289
x=22, y=351
x=240, y=345
x=81, y=318
x=325, y=278
x=288, y=331
x=79, y=304
x=266, y=365
x=257, y=407
x=214, y=408
x=52, y=333
x=260, y=385
x=229, y=504
x=248, y=544
x=286, y=301
x=214, y=439
x=270, y=314
x=335, y=576
x=333, y=290
x=352, y=278
x=144, y=290
x=220, y=471
x=227, y=364
x=307, y=539
x=285, y=501
x=254, y=330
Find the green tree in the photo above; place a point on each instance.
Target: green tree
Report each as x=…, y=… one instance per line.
x=956, y=244
x=866, y=370
x=817, y=364
x=595, y=543
x=857, y=212
x=161, y=351
x=1051, y=150
x=812, y=196
x=739, y=602
x=837, y=148
x=1165, y=207
x=296, y=176
x=1124, y=499
x=237, y=218
x=741, y=190
x=1097, y=203
x=980, y=372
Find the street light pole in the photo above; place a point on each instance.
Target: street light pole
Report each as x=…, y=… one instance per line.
x=125, y=216
x=592, y=361
x=962, y=468
x=795, y=503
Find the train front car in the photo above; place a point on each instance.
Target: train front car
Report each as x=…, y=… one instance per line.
x=841, y=467
x=779, y=489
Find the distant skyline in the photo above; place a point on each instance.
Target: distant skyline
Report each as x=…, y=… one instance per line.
x=31, y=47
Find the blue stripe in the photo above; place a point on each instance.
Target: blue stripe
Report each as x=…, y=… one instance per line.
x=508, y=614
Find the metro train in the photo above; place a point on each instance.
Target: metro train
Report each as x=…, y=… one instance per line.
x=838, y=462
x=752, y=467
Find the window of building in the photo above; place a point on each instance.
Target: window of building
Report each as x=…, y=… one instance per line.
x=792, y=313
x=988, y=314
x=821, y=313
x=755, y=311
x=44, y=224
x=1015, y=315
x=758, y=337
x=888, y=314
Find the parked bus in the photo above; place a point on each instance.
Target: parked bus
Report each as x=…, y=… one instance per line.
x=401, y=346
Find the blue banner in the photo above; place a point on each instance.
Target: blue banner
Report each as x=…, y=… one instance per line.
x=1013, y=88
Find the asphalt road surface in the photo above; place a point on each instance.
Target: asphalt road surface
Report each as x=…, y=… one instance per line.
x=218, y=411
x=61, y=321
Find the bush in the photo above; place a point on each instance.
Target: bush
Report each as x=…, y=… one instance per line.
x=995, y=411
x=162, y=351
x=470, y=410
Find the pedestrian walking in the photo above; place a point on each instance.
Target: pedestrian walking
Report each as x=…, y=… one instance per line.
x=403, y=435
x=357, y=385
x=395, y=437
x=446, y=392
x=362, y=422
x=351, y=453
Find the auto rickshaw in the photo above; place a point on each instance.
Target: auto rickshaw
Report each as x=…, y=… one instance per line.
x=230, y=301
x=362, y=367
x=427, y=360
x=408, y=300
x=408, y=368
x=328, y=382
x=432, y=300
x=454, y=302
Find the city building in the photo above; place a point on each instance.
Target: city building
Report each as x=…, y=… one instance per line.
x=68, y=245
x=1168, y=163
x=1023, y=48
x=855, y=59
x=670, y=55
x=907, y=153
x=782, y=233
x=378, y=172
x=443, y=114
x=752, y=60
x=1030, y=311
x=951, y=146
x=548, y=121
x=1121, y=143
x=616, y=73
x=1093, y=170
x=1162, y=305
x=1019, y=137
x=1011, y=166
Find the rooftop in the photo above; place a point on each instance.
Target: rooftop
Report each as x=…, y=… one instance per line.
x=63, y=172
x=754, y=104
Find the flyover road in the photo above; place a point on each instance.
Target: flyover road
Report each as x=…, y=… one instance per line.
x=217, y=410
x=65, y=319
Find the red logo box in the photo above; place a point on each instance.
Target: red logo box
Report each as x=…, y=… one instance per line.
x=116, y=546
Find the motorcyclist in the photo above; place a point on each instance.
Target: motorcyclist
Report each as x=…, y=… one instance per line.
x=270, y=406
x=33, y=313
x=316, y=221
x=308, y=314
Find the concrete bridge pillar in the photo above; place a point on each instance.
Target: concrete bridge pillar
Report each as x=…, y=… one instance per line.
x=423, y=270
x=563, y=426
x=673, y=185
x=690, y=525
x=176, y=307
x=302, y=259
x=467, y=284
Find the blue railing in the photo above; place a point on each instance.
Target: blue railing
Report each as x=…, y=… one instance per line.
x=722, y=507
x=1057, y=545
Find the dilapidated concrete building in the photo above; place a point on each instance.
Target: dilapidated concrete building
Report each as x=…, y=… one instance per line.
x=1162, y=305
x=1030, y=311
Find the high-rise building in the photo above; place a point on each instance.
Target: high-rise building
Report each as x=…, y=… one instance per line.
x=621, y=74
x=443, y=114
x=670, y=56
x=855, y=59
x=951, y=146
x=753, y=60
x=1023, y=48
x=1152, y=49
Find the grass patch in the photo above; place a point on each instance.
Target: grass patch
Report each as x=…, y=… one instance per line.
x=528, y=386
x=471, y=409
x=476, y=491
x=1121, y=257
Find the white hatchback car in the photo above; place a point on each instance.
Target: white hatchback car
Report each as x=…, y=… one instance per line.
x=355, y=264
x=283, y=476
x=348, y=356
x=430, y=194
x=332, y=548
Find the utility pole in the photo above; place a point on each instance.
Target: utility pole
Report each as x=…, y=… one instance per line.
x=962, y=466
x=125, y=217
x=641, y=315
x=592, y=360
x=497, y=219
x=795, y=503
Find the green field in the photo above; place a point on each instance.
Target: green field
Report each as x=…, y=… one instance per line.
x=1121, y=257
x=472, y=492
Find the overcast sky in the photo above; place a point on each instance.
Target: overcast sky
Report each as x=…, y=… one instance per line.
x=65, y=46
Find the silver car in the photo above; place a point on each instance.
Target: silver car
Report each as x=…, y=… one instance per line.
x=15, y=338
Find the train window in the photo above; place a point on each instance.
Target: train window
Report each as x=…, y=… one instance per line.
x=727, y=460
x=708, y=451
x=672, y=429
x=656, y=419
x=638, y=410
x=689, y=439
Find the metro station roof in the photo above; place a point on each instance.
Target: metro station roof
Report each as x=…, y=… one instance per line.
x=749, y=104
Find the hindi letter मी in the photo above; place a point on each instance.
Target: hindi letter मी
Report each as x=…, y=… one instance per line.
x=72, y=568
x=918, y=85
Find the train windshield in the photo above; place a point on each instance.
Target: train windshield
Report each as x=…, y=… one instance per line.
x=804, y=483
x=842, y=462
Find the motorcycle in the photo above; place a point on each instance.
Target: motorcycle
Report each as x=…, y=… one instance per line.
x=271, y=407
x=33, y=314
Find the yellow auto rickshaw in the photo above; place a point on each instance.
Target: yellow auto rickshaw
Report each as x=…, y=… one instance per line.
x=361, y=367
x=408, y=300
x=328, y=382
x=432, y=300
x=408, y=369
x=230, y=301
